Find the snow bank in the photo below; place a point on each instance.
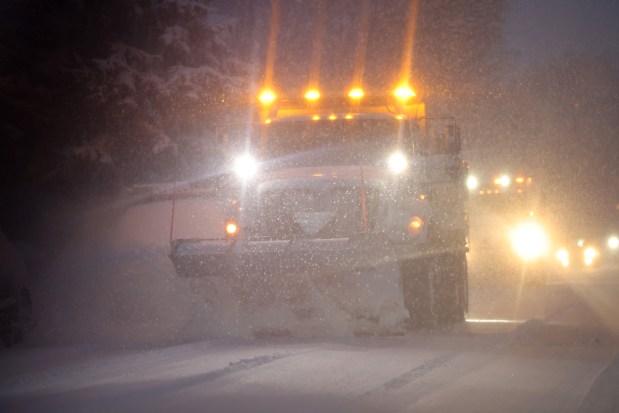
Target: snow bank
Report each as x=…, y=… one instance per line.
x=115, y=283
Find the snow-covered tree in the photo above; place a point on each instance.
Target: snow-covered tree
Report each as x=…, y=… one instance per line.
x=160, y=81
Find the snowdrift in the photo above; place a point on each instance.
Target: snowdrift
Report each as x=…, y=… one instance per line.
x=115, y=283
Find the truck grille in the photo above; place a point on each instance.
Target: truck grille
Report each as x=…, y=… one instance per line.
x=323, y=213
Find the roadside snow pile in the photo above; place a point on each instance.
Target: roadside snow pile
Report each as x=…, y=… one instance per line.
x=115, y=283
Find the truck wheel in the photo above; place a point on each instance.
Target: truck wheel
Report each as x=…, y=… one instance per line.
x=435, y=289
x=451, y=288
x=416, y=287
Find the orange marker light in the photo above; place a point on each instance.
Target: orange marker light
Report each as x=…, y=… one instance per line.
x=312, y=94
x=404, y=93
x=332, y=117
x=349, y=117
x=231, y=228
x=267, y=97
x=415, y=225
x=316, y=117
x=519, y=180
x=356, y=93
x=268, y=121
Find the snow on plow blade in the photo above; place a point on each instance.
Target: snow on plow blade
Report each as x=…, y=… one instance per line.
x=195, y=257
x=313, y=278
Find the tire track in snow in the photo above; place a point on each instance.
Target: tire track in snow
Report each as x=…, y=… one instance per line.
x=133, y=400
x=414, y=373
x=134, y=367
x=142, y=395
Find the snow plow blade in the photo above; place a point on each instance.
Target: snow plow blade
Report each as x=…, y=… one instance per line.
x=194, y=257
x=312, y=280
x=197, y=257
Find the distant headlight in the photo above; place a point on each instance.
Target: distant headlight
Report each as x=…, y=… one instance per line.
x=245, y=166
x=613, y=242
x=529, y=240
x=398, y=162
x=564, y=257
x=503, y=181
x=590, y=254
x=472, y=182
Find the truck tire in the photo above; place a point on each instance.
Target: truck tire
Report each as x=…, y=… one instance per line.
x=435, y=289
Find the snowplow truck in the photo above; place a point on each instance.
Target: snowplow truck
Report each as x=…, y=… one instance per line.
x=358, y=201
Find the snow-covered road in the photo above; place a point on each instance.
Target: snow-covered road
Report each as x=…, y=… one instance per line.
x=559, y=357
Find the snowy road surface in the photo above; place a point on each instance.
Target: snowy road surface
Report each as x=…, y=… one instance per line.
x=558, y=356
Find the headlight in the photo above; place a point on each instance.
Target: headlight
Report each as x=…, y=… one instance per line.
x=590, y=254
x=245, y=166
x=232, y=229
x=529, y=240
x=415, y=225
x=398, y=162
x=472, y=182
x=564, y=257
x=613, y=242
x=503, y=181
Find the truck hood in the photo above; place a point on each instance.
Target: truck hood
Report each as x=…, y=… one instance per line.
x=323, y=174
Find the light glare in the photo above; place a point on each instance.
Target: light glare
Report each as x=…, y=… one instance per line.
x=415, y=225
x=472, y=182
x=590, y=253
x=398, y=162
x=245, y=166
x=267, y=97
x=231, y=228
x=613, y=242
x=404, y=93
x=356, y=93
x=312, y=94
x=502, y=180
x=564, y=257
x=529, y=240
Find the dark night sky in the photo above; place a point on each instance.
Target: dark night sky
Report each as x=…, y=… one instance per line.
x=543, y=30
x=535, y=32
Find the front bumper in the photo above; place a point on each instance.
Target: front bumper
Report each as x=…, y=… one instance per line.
x=195, y=258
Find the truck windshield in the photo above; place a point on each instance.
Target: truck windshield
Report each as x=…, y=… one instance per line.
x=294, y=137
